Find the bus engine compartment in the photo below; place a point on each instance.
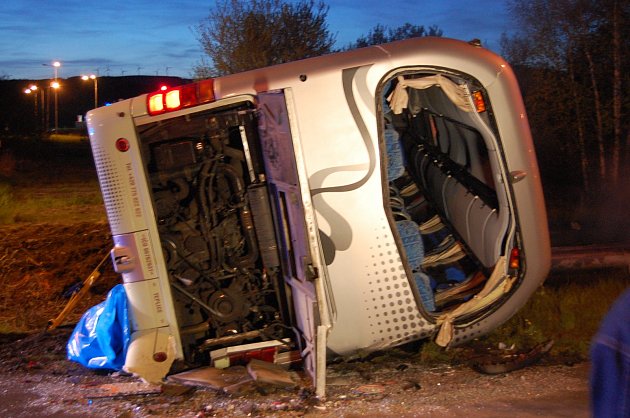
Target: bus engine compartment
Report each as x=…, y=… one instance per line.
x=215, y=224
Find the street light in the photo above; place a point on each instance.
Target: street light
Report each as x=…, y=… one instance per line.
x=95, y=79
x=41, y=92
x=34, y=90
x=55, y=85
x=56, y=65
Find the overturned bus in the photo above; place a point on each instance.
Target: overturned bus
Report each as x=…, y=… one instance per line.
x=341, y=204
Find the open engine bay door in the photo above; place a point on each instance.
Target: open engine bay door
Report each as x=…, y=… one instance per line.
x=296, y=229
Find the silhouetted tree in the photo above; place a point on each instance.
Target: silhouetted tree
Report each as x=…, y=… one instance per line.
x=381, y=34
x=240, y=35
x=580, y=46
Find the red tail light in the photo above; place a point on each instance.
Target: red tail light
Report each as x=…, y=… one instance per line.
x=155, y=103
x=515, y=259
x=480, y=103
x=167, y=100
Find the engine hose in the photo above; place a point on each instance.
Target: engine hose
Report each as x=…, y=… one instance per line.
x=194, y=329
x=250, y=236
x=245, y=217
x=235, y=179
x=191, y=264
x=196, y=300
x=206, y=176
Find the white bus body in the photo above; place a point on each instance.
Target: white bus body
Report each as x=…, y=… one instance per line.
x=350, y=203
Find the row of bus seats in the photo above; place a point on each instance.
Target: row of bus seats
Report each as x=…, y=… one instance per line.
x=476, y=220
x=439, y=186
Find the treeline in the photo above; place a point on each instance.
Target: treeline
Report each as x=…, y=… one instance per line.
x=572, y=59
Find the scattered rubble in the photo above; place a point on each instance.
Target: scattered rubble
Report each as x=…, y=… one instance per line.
x=33, y=368
x=37, y=380
x=508, y=360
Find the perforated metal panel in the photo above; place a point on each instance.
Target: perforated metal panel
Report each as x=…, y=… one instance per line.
x=111, y=181
x=120, y=170
x=391, y=307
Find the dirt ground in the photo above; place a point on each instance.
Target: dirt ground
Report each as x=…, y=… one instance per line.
x=38, y=381
x=40, y=264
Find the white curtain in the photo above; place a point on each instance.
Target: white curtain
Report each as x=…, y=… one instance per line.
x=458, y=94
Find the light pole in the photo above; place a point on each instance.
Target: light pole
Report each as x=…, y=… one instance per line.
x=41, y=92
x=34, y=90
x=55, y=85
x=95, y=79
x=56, y=64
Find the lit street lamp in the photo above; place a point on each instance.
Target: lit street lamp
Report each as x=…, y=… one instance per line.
x=33, y=89
x=95, y=79
x=41, y=92
x=55, y=85
x=56, y=64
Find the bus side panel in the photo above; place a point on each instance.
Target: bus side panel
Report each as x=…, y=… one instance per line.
x=292, y=229
x=375, y=303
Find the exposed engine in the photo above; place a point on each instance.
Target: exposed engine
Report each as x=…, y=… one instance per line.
x=203, y=179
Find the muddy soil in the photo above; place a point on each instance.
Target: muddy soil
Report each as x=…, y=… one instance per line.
x=38, y=381
x=40, y=266
x=41, y=263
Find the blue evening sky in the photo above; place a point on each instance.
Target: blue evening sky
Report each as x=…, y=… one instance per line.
x=152, y=37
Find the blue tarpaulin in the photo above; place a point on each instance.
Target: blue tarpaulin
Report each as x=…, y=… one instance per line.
x=100, y=339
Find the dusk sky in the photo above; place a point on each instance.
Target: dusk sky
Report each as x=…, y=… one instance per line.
x=152, y=37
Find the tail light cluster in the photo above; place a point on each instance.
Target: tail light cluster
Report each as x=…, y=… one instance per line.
x=515, y=259
x=180, y=97
x=480, y=103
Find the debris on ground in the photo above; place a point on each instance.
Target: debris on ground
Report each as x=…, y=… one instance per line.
x=508, y=360
x=40, y=262
x=212, y=377
x=124, y=390
x=371, y=389
x=264, y=372
x=37, y=378
x=258, y=375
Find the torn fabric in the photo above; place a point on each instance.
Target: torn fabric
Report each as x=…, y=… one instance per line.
x=497, y=285
x=458, y=94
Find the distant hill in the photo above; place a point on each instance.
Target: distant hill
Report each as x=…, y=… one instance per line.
x=18, y=115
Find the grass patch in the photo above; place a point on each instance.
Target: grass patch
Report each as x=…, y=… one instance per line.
x=7, y=203
x=568, y=309
x=56, y=204
x=94, y=198
x=48, y=182
x=61, y=208
x=569, y=314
